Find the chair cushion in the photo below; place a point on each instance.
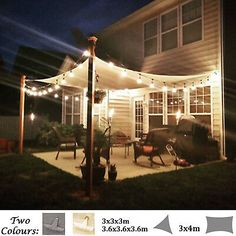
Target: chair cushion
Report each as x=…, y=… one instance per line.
x=147, y=149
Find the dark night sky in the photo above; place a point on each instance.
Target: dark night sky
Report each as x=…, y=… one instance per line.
x=47, y=24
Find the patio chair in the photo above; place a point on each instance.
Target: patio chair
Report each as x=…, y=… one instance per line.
x=120, y=139
x=65, y=143
x=154, y=145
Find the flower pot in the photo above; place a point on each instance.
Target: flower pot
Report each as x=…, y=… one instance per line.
x=98, y=173
x=112, y=175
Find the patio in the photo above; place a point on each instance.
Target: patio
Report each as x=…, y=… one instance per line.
x=126, y=167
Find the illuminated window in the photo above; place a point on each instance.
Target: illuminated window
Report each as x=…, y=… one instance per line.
x=200, y=103
x=175, y=103
x=155, y=110
x=192, y=21
x=169, y=30
x=150, y=38
x=72, y=109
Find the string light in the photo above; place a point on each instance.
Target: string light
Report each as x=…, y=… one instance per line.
x=56, y=95
x=39, y=91
x=152, y=84
x=63, y=81
x=76, y=99
x=50, y=90
x=66, y=97
x=57, y=86
x=201, y=83
x=111, y=64
x=164, y=88
x=139, y=80
x=86, y=53
x=71, y=74
x=174, y=90
x=123, y=73
x=185, y=88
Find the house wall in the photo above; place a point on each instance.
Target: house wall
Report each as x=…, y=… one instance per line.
x=122, y=118
x=124, y=40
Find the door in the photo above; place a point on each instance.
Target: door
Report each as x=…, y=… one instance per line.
x=138, y=117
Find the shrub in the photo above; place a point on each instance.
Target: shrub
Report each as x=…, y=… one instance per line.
x=47, y=136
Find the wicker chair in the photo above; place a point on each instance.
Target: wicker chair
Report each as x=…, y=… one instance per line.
x=65, y=143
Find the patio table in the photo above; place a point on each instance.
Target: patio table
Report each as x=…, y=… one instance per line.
x=127, y=144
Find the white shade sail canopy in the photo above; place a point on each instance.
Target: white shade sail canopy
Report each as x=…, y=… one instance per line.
x=109, y=76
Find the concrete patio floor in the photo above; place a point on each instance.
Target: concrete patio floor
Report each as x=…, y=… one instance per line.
x=126, y=167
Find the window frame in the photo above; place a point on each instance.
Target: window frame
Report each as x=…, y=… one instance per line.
x=72, y=102
x=181, y=26
x=203, y=95
x=178, y=98
x=163, y=107
x=157, y=36
x=176, y=28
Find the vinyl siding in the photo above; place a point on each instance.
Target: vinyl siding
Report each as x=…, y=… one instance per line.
x=121, y=120
x=124, y=41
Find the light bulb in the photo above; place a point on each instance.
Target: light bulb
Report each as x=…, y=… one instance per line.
x=57, y=86
x=185, y=89
x=139, y=80
x=123, y=73
x=86, y=53
x=152, y=84
x=71, y=74
x=111, y=64
x=32, y=116
x=164, y=88
x=174, y=90
x=63, y=81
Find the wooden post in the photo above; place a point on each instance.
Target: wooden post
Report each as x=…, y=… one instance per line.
x=90, y=132
x=21, y=114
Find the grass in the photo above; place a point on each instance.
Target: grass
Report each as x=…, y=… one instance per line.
x=30, y=183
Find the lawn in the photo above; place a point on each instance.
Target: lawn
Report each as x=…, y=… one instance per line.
x=30, y=183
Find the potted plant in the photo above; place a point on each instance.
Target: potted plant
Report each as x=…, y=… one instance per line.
x=99, y=96
x=100, y=144
x=112, y=172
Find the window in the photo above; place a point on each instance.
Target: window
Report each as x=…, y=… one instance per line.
x=150, y=38
x=169, y=30
x=72, y=109
x=200, y=100
x=175, y=103
x=155, y=110
x=200, y=103
x=192, y=21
